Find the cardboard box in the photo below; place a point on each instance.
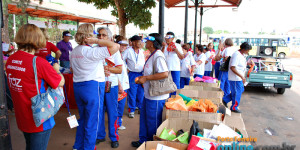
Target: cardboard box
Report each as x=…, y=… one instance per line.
x=151, y=145
x=205, y=84
x=185, y=124
x=198, y=93
x=193, y=115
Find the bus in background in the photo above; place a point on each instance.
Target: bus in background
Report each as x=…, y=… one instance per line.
x=262, y=45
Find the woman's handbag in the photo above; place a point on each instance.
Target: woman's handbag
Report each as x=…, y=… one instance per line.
x=164, y=86
x=44, y=105
x=225, y=66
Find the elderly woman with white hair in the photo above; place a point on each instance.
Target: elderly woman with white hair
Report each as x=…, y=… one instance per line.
x=113, y=68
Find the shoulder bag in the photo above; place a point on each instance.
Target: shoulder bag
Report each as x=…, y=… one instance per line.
x=44, y=105
x=164, y=86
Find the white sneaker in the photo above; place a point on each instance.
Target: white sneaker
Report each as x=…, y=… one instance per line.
x=136, y=108
x=121, y=128
x=131, y=115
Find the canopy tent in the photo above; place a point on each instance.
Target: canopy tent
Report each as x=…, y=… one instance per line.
x=195, y=3
x=205, y=3
x=56, y=12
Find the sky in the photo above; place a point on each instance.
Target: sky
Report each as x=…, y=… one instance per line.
x=252, y=16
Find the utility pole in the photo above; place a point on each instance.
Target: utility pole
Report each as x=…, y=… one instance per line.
x=161, y=22
x=5, y=142
x=195, y=32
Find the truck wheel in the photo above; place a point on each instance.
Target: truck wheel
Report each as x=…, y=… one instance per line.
x=281, y=55
x=280, y=90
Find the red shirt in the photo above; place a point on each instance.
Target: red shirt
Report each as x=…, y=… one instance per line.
x=22, y=87
x=43, y=52
x=213, y=53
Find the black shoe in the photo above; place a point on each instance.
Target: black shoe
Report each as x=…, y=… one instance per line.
x=224, y=103
x=136, y=144
x=99, y=141
x=114, y=144
x=236, y=111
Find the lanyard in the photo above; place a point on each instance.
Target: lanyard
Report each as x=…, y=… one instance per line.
x=88, y=45
x=148, y=59
x=136, y=56
x=67, y=102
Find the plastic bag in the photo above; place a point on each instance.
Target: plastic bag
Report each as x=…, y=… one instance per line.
x=196, y=143
x=211, y=106
x=176, y=103
x=199, y=106
x=168, y=134
x=184, y=138
x=195, y=129
x=185, y=98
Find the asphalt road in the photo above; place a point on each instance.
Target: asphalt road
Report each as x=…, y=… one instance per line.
x=261, y=109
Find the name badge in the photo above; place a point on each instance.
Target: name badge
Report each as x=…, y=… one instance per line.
x=72, y=121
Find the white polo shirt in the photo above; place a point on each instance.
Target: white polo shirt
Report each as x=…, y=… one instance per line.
x=239, y=61
x=186, y=62
x=135, y=61
x=172, y=59
x=200, y=68
x=117, y=60
x=228, y=51
x=160, y=67
x=208, y=66
x=87, y=63
x=123, y=77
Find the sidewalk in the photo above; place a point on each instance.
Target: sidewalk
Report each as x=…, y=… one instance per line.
x=62, y=137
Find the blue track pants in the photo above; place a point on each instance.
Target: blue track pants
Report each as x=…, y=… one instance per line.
x=135, y=92
x=176, y=80
x=89, y=99
x=184, y=81
x=121, y=106
x=225, y=86
x=111, y=105
x=237, y=88
x=150, y=118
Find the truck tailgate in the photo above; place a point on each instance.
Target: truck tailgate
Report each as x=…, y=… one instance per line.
x=270, y=77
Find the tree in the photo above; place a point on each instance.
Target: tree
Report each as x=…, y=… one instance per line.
x=246, y=32
x=128, y=11
x=208, y=30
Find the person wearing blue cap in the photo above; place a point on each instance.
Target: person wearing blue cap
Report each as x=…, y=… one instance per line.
x=151, y=111
x=135, y=59
x=173, y=53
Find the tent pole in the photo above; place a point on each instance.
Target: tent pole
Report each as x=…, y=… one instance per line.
x=5, y=141
x=161, y=21
x=195, y=31
x=186, y=20
x=201, y=16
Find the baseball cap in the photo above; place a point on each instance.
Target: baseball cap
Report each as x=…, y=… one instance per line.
x=66, y=33
x=123, y=42
x=135, y=38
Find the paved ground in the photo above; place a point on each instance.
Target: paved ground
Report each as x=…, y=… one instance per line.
x=262, y=109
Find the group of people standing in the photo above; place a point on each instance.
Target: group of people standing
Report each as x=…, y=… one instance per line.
x=105, y=67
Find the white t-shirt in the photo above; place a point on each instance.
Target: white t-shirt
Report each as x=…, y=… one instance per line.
x=208, y=66
x=123, y=77
x=135, y=62
x=239, y=61
x=186, y=62
x=117, y=60
x=200, y=68
x=172, y=59
x=228, y=51
x=161, y=66
x=87, y=63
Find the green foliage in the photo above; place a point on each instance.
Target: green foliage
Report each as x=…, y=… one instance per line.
x=136, y=11
x=218, y=32
x=208, y=30
x=246, y=32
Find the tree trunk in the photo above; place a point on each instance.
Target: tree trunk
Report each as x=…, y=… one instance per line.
x=123, y=21
x=5, y=34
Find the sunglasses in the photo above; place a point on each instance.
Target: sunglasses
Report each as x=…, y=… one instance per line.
x=169, y=36
x=103, y=35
